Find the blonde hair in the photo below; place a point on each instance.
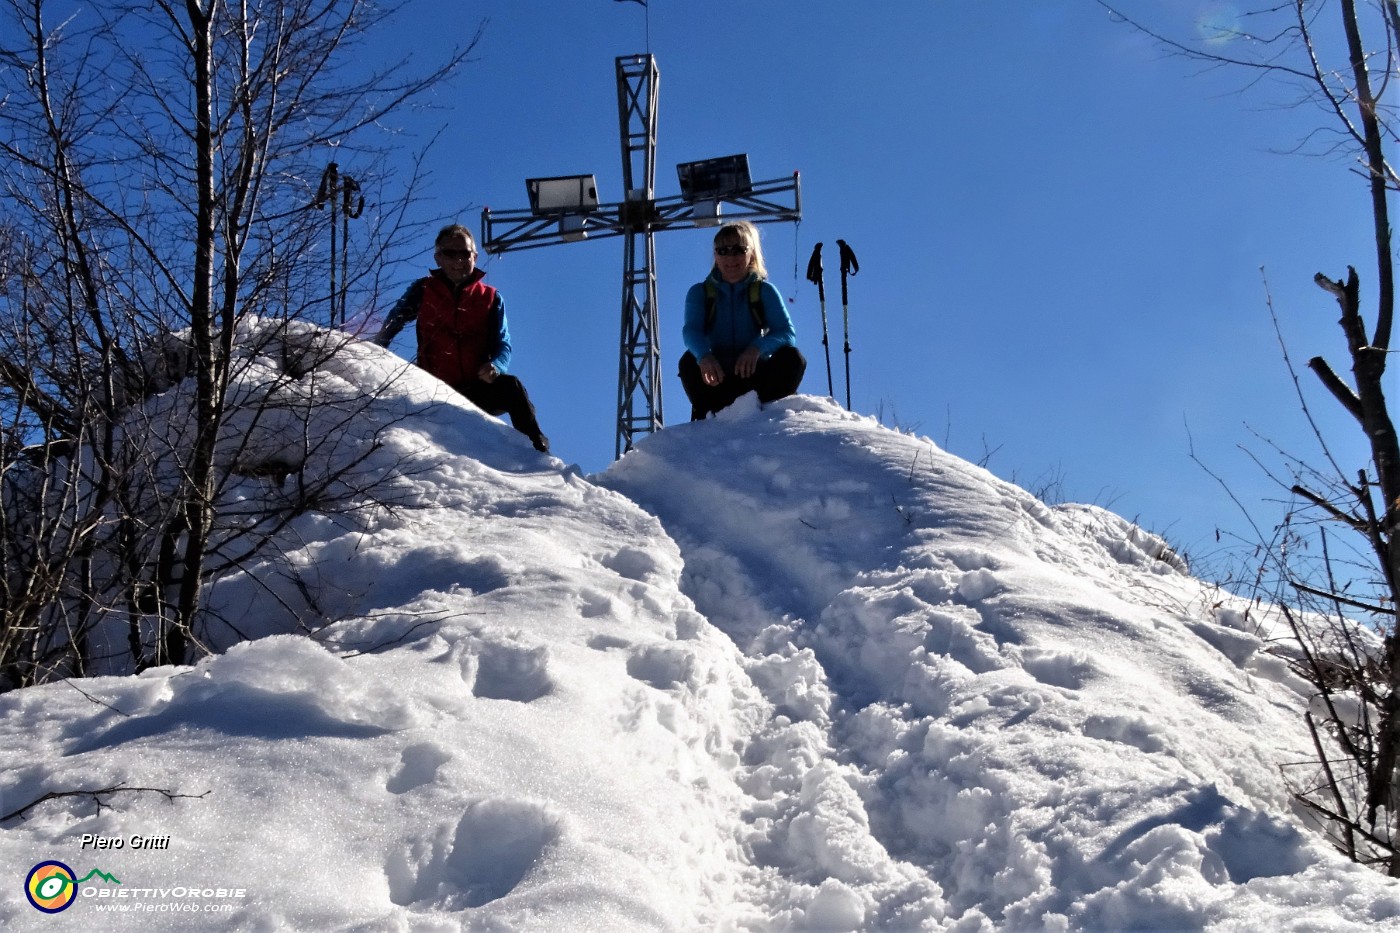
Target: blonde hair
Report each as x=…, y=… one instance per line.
x=746, y=233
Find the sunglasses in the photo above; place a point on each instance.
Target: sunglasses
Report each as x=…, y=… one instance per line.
x=457, y=253
x=731, y=250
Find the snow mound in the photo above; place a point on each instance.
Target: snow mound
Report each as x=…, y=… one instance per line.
x=782, y=669
x=1037, y=709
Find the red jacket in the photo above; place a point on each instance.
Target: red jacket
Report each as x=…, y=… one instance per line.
x=459, y=328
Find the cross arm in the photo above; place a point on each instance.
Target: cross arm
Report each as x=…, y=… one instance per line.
x=771, y=201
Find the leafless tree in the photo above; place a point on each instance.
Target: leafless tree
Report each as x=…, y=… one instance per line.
x=160, y=164
x=1338, y=592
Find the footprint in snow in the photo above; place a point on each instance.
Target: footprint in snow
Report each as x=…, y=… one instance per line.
x=509, y=672
x=494, y=847
x=607, y=642
x=418, y=765
x=632, y=563
x=662, y=667
x=594, y=605
x=1070, y=670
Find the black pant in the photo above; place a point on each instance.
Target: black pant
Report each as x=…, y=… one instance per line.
x=774, y=378
x=506, y=395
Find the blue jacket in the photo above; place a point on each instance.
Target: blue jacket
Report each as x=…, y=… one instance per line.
x=734, y=329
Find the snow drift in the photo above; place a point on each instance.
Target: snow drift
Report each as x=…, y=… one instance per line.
x=782, y=669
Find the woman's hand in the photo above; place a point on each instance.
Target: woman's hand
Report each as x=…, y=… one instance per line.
x=487, y=373
x=747, y=363
x=711, y=371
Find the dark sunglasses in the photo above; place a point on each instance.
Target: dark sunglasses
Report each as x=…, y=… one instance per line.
x=457, y=253
x=731, y=250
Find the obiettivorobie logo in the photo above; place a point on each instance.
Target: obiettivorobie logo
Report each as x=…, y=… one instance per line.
x=53, y=886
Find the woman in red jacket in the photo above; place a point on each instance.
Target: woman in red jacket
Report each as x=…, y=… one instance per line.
x=463, y=338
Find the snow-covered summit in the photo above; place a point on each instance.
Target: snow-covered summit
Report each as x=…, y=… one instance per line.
x=1037, y=707
x=782, y=669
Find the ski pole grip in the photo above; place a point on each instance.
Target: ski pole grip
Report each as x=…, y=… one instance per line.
x=814, y=270
x=848, y=259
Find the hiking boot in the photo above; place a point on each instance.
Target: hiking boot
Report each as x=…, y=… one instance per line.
x=541, y=443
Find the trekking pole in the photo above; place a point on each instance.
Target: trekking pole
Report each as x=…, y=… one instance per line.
x=849, y=266
x=342, y=193
x=330, y=183
x=352, y=207
x=814, y=275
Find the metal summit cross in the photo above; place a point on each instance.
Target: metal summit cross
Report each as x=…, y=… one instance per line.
x=565, y=209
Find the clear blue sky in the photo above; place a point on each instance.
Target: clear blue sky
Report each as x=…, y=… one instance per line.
x=1060, y=229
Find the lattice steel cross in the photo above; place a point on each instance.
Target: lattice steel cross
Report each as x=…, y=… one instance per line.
x=707, y=188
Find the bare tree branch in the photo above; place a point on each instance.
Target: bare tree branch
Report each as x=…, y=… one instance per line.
x=97, y=795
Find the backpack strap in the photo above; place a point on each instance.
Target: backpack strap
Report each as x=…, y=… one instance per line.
x=756, y=305
x=760, y=319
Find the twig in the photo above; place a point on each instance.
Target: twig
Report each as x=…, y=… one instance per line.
x=96, y=795
x=355, y=653
x=94, y=699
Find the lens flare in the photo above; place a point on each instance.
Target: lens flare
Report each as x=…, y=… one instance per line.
x=1219, y=23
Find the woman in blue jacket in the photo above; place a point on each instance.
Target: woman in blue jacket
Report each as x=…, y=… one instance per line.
x=738, y=335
